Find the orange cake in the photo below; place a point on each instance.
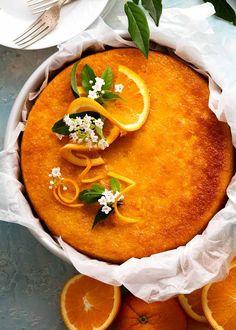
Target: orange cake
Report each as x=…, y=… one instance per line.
x=178, y=159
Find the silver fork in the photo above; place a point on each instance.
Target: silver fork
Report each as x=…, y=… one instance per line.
x=44, y=24
x=39, y=6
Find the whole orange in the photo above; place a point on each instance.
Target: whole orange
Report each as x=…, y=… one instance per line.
x=136, y=314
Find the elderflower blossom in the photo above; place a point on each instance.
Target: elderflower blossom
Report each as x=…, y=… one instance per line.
x=108, y=199
x=86, y=130
x=119, y=88
x=96, y=90
x=56, y=178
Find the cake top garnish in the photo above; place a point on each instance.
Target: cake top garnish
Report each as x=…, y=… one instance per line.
x=94, y=120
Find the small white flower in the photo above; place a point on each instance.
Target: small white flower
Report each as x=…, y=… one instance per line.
x=87, y=119
x=90, y=81
x=74, y=137
x=93, y=95
x=106, y=209
x=102, y=144
x=64, y=188
x=99, y=123
x=102, y=200
x=50, y=175
x=50, y=187
x=119, y=88
x=51, y=182
x=56, y=172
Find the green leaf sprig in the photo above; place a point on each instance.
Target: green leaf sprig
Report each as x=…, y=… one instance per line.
x=89, y=80
x=92, y=196
x=224, y=10
x=60, y=126
x=73, y=80
x=137, y=21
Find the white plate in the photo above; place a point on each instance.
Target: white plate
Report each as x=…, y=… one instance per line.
x=15, y=17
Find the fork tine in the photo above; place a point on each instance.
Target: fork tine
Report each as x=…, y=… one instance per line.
x=30, y=34
x=36, y=38
x=38, y=20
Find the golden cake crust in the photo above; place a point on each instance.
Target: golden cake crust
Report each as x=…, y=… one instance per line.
x=181, y=160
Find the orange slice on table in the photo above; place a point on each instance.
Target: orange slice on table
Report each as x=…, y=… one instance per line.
x=192, y=304
x=88, y=304
x=219, y=302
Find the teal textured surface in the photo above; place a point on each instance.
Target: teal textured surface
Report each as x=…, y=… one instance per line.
x=31, y=278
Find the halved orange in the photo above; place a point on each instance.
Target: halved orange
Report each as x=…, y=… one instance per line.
x=87, y=304
x=219, y=302
x=192, y=304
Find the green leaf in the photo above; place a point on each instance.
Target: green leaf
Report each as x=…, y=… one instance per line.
x=138, y=26
x=223, y=10
x=98, y=188
x=154, y=7
x=87, y=75
x=100, y=216
x=73, y=80
x=60, y=126
x=90, y=196
x=136, y=1
x=115, y=184
x=110, y=96
x=107, y=76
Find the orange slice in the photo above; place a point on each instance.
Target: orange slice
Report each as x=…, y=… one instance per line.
x=133, y=108
x=219, y=302
x=128, y=113
x=88, y=304
x=192, y=304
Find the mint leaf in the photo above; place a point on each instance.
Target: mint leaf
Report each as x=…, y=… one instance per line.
x=223, y=10
x=100, y=216
x=73, y=80
x=110, y=96
x=90, y=196
x=154, y=7
x=115, y=184
x=138, y=26
x=60, y=126
x=87, y=75
x=107, y=76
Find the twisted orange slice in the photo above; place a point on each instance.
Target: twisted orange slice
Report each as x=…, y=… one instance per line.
x=88, y=304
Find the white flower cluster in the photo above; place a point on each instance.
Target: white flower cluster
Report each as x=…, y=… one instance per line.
x=119, y=88
x=96, y=90
x=83, y=131
x=56, y=178
x=107, y=200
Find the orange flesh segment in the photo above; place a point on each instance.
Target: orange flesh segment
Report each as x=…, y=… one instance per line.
x=89, y=304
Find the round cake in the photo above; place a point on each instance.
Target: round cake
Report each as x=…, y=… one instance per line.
x=181, y=161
